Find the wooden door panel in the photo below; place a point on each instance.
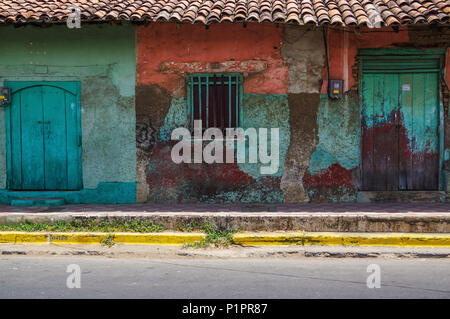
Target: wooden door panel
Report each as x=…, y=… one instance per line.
x=55, y=138
x=405, y=116
x=32, y=138
x=15, y=136
x=419, y=130
x=431, y=119
x=390, y=144
x=379, y=143
x=379, y=135
x=43, y=124
x=400, y=140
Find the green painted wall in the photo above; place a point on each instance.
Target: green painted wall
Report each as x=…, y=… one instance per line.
x=259, y=111
x=338, y=132
x=103, y=59
x=267, y=111
x=331, y=174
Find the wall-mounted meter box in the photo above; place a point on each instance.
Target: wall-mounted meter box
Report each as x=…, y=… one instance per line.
x=335, y=88
x=5, y=95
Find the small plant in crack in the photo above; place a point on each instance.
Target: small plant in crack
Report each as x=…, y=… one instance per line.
x=108, y=241
x=215, y=237
x=188, y=227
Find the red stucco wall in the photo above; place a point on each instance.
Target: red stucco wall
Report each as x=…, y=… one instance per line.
x=343, y=47
x=169, y=42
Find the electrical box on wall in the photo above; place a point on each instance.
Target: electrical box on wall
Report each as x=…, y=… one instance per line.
x=335, y=88
x=5, y=95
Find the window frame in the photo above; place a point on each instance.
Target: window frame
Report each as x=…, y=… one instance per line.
x=193, y=79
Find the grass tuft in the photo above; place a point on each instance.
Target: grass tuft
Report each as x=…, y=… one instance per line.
x=108, y=241
x=87, y=225
x=215, y=237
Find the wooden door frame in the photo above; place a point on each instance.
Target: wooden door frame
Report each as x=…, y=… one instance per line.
x=26, y=84
x=404, y=54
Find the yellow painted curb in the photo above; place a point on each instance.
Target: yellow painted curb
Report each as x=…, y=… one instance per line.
x=164, y=238
x=343, y=239
x=247, y=239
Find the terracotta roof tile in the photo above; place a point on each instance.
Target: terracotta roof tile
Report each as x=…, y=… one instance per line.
x=340, y=12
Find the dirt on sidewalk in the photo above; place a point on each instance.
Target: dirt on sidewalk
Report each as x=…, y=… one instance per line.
x=174, y=251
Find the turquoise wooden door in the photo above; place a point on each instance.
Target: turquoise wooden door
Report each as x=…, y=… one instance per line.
x=44, y=136
x=400, y=137
x=419, y=132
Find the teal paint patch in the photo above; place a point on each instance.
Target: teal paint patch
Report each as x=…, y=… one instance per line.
x=321, y=160
x=266, y=111
x=37, y=202
x=105, y=193
x=339, y=134
x=4, y=199
x=420, y=138
x=259, y=111
x=220, y=182
x=103, y=59
x=419, y=107
x=68, y=52
x=176, y=117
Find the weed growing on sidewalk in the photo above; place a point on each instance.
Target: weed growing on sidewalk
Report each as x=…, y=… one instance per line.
x=215, y=237
x=87, y=225
x=108, y=241
x=188, y=227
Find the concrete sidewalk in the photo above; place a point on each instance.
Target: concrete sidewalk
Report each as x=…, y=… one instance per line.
x=239, y=208
x=174, y=251
x=373, y=217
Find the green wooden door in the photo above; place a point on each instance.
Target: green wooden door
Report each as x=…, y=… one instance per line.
x=419, y=131
x=44, y=136
x=379, y=132
x=400, y=140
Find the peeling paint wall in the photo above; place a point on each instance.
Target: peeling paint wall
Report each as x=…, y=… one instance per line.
x=336, y=156
x=166, y=53
x=285, y=85
x=333, y=172
x=343, y=46
x=103, y=59
x=303, y=50
x=230, y=182
x=194, y=45
x=127, y=127
x=152, y=104
x=338, y=132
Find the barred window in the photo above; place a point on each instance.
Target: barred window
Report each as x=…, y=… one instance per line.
x=215, y=99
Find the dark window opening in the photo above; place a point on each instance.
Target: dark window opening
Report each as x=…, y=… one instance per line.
x=215, y=100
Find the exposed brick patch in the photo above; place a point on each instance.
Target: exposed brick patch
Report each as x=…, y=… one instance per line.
x=249, y=66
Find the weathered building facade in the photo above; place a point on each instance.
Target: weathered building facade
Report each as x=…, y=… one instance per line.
x=69, y=131
x=132, y=84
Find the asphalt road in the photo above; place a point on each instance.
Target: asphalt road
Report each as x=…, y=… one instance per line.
x=46, y=277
